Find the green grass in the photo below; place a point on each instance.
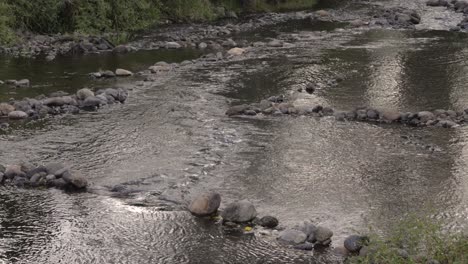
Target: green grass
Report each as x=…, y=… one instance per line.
x=422, y=239
x=120, y=17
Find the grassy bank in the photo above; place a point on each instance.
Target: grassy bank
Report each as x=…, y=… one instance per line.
x=108, y=16
x=416, y=240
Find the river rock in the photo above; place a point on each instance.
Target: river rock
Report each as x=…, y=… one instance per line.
x=5, y=109
x=390, y=116
x=310, y=88
x=239, y=212
x=54, y=167
x=2, y=177
x=173, y=45
x=91, y=103
x=354, y=243
x=307, y=228
x=323, y=235
x=205, y=204
x=305, y=246
x=35, y=179
x=425, y=116
x=58, y=183
x=2, y=168
x=84, y=93
x=236, y=51
x=17, y=115
x=76, y=181
x=437, y=3
x=121, y=49
x=292, y=236
x=23, y=83
x=108, y=74
x=123, y=73
x=275, y=43
x=268, y=222
x=37, y=170
x=202, y=45
x=322, y=13
x=14, y=170
x=54, y=101
x=237, y=110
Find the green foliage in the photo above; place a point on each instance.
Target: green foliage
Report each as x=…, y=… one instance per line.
x=422, y=240
x=6, y=34
x=120, y=16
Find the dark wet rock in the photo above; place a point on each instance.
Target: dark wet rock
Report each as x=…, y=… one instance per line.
x=54, y=101
x=268, y=222
x=310, y=88
x=237, y=110
x=437, y=3
x=239, y=212
x=372, y=114
x=205, y=204
x=20, y=181
x=305, y=246
x=2, y=177
x=327, y=111
x=15, y=115
x=23, y=106
x=91, y=103
x=250, y=112
x=323, y=235
x=292, y=236
x=2, y=168
x=5, y=109
x=58, y=183
x=37, y=170
x=34, y=180
x=354, y=243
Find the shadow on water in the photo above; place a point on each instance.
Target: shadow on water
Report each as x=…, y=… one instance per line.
x=71, y=73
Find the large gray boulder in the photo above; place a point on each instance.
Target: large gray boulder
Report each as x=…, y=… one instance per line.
x=205, y=204
x=354, y=243
x=292, y=236
x=54, y=167
x=239, y=212
x=307, y=228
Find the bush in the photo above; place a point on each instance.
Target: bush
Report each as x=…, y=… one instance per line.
x=416, y=240
x=6, y=34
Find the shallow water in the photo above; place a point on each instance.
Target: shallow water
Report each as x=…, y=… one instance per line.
x=171, y=140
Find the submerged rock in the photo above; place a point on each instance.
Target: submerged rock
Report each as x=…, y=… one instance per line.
x=205, y=204
x=239, y=212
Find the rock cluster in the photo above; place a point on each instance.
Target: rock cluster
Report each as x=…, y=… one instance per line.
x=277, y=106
x=243, y=215
x=397, y=18
x=52, y=175
x=61, y=102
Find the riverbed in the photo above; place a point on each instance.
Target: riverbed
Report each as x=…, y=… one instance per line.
x=172, y=140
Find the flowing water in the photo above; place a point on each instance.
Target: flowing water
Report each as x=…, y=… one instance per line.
x=171, y=140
